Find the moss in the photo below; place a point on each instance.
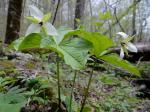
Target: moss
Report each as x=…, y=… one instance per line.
x=2, y=73
x=5, y=64
x=30, y=65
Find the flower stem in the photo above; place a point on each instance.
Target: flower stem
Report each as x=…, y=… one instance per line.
x=87, y=89
x=70, y=103
x=58, y=82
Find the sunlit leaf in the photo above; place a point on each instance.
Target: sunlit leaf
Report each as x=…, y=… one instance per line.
x=46, y=17
x=31, y=41
x=105, y=16
x=99, y=41
x=86, y=109
x=128, y=39
x=62, y=31
x=74, y=52
x=32, y=19
x=118, y=62
x=15, y=44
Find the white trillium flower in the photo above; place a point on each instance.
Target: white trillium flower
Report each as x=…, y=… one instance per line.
x=126, y=44
x=40, y=21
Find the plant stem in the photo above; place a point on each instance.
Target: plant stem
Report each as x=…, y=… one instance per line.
x=87, y=90
x=74, y=79
x=58, y=82
x=1, y=48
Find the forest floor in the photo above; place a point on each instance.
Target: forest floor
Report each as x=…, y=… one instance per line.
x=111, y=90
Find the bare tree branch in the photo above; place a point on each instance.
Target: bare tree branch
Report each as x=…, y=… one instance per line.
x=55, y=14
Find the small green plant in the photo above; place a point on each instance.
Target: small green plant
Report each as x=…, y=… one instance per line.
x=119, y=98
x=5, y=81
x=74, y=51
x=13, y=100
x=40, y=89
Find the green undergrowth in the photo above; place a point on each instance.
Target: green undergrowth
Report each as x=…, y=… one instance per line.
x=145, y=68
x=109, y=92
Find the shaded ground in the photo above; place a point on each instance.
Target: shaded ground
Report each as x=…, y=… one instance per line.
x=108, y=93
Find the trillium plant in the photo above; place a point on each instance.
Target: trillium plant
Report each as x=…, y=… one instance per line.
x=40, y=22
x=126, y=44
x=74, y=51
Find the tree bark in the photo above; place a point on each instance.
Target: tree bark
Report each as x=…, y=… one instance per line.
x=13, y=20
x=91, y=14
x=71, y=13
x=134, y=19
x=79, y=12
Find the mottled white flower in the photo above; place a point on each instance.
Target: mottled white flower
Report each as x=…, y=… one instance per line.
x=40, y=22
x=126, y=44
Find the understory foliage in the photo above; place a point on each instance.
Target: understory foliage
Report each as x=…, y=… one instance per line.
x=74, y=47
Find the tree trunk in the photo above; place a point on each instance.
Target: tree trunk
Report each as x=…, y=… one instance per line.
x=71, y=13
x=79, y=12
x=134, y=19
x=13, y=20
x=91, y=14
x=56, y=11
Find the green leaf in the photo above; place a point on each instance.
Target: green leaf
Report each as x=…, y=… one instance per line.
x=49, y=43
x=99, y=41
x=109, y=79
x=105, y=16
x=11, y=107
x=15, y=44
x=31, y=41
x=13, y=100
x=46, y=17
x=99, y=24
x=128, y=39
x=77, y=20
x=86, y=109
x=118, y=62
x=62, y=31
x=74, y=52
x=32, y=19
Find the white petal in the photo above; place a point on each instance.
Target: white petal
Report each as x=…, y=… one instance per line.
x=35, y=12
x=50, y=29
x=122, y=34
x=131, y=47
x=33, y=28
x=121, y=53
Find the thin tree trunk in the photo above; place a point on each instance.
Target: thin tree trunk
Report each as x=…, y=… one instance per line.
x=70, y=11
x=55, y=14
x=61, y=12
x=91, y=13
x=122, y=15
x=13, y=20
x=134, y=18
x=79, y=12
x=110, y=30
